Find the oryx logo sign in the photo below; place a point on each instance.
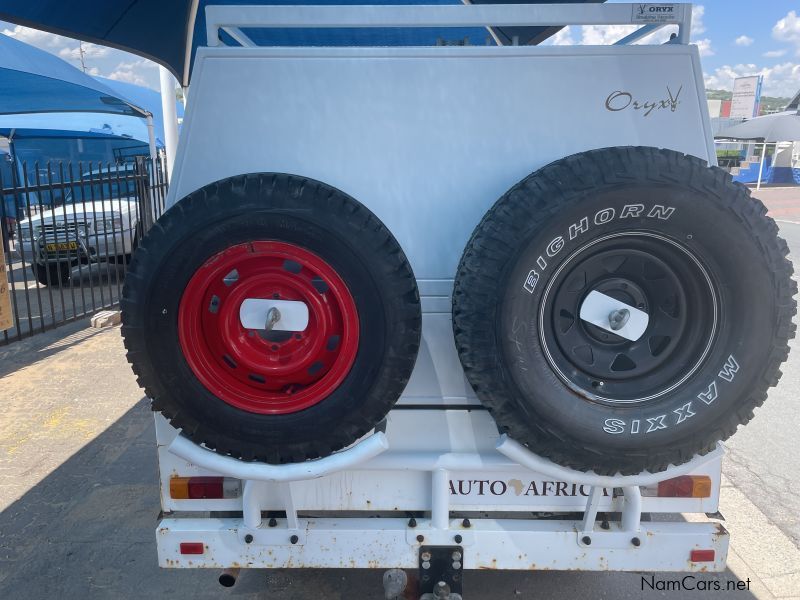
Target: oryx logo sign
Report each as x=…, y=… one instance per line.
x=619, y=100
x=656, y=10
x=653, y=13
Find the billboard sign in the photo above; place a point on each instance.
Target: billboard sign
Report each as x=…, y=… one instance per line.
x=746, y=97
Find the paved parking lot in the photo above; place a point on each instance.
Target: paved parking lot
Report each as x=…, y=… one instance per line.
x=79, y=493
x=783, y=202
x=39, y=307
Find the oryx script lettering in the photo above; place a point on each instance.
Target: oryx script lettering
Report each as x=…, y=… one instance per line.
x=620, y=100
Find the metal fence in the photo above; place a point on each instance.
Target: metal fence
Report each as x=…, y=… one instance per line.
x=69, y=231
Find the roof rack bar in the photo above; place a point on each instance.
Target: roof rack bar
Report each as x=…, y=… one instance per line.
x=240, y=37
x=638, y=34
x=467, y=15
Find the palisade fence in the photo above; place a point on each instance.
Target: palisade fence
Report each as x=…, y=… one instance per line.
x=69, y=230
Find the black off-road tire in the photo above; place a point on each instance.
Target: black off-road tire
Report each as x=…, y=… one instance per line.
x=528, y=365
x=288, y=209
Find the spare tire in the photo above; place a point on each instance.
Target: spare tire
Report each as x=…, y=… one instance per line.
x=624, y=309
x=335, y=276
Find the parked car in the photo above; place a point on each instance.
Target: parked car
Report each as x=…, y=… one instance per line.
x=98, y=221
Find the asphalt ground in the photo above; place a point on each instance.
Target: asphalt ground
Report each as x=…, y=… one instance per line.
x=783, y=202
x=79, y=492
x=763, y=460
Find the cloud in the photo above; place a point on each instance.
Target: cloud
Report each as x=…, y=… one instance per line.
x=787, y=29
x=602, y=35
x=133, y=72
x=100, y=60
x=780, y=80
x=89, y=51
x=704, y=46
x=744, y=40
x=63, y=47
x=37, y=38
x=698, y=12
x=774, y=53
x=563, y=37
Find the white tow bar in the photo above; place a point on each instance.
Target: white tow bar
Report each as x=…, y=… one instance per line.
x=273, y=315
x=614, y=316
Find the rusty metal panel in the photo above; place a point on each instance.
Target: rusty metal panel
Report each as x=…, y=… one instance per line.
x=518, y=544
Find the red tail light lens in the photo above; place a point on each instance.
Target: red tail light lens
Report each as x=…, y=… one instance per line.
x=205, y=487
x=685, y=486
x=201, y=488
x=702, y=556
x=192, y=548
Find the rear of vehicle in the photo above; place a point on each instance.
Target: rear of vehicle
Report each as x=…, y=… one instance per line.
x=371, y=178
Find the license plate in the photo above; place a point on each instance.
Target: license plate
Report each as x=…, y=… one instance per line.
x=62, y=246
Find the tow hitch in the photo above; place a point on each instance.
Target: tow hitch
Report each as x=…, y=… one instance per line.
x=440, y=572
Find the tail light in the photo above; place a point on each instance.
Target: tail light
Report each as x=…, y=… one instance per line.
x=192, y=548
x=202, y=488
x=685, y=486
x=702, y=555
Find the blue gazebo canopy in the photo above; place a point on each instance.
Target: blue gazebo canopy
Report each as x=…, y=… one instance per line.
x=169, y=31
x=144, y=97
x=78, y=124
x=27, y=133
x=35, y=81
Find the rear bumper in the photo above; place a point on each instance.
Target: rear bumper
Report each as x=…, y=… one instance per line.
x=352, y=509
x=516, y=544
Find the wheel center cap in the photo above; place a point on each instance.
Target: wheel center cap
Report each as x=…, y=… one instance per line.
x=273, y=315
x=618, y=318
x=614, y=316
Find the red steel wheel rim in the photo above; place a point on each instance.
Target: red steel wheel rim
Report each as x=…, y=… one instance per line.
x=275, y=372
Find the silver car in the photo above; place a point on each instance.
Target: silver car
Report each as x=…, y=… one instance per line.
x=98, y=221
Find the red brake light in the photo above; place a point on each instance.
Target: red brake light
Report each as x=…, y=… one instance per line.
x=192, y=547
x=685, y=486
x=202, y=488
x=205, y=487
x=702, y=556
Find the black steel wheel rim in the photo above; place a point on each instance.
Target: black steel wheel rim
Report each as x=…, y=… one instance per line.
x=652, y=273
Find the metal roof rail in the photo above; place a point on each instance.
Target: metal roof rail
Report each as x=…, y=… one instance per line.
x=651, y=16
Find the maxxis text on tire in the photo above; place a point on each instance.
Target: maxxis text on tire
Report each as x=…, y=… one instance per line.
x=695, y=300
x=276, y=396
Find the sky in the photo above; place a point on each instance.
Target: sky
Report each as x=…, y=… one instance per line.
x=735, y=37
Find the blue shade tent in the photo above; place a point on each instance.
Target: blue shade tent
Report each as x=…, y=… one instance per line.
x=169, y=32
x=33, y=81
x=61, y=124
x=149, y=100
x=28, y=133
x=34, y=147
